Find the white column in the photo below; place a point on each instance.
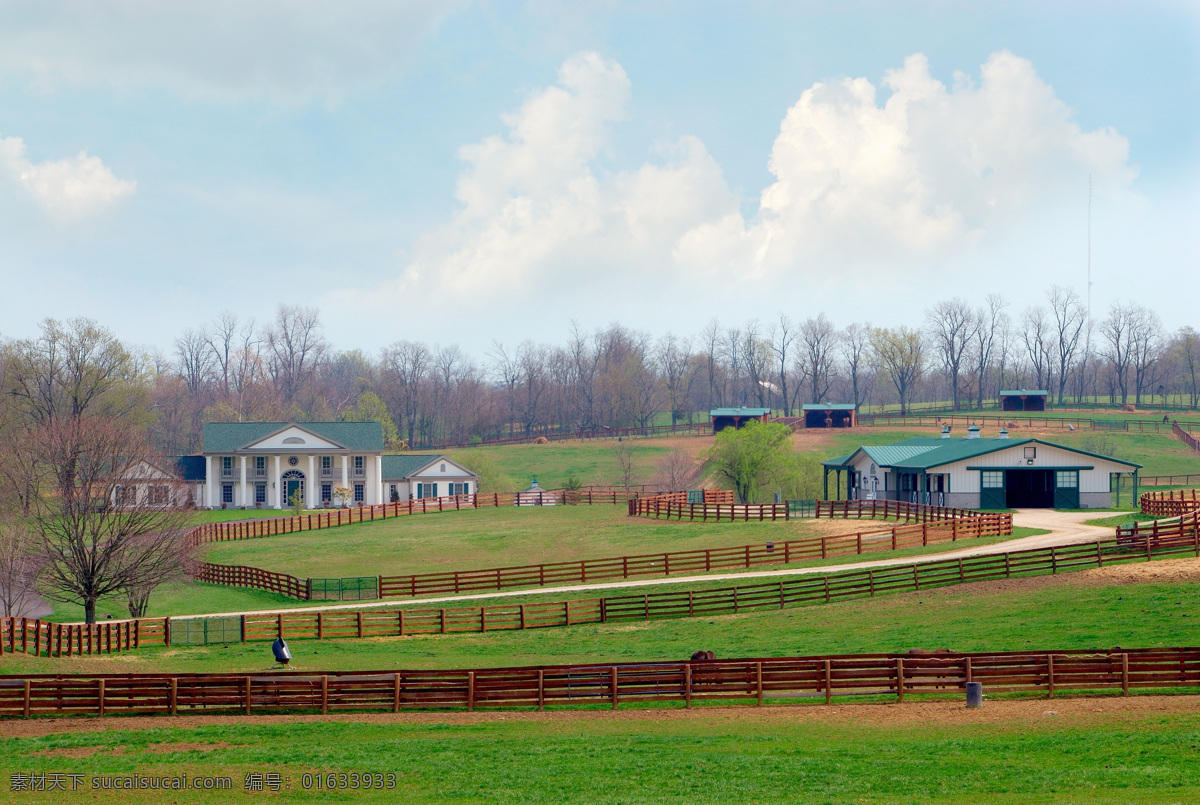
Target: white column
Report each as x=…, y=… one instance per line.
x=310, y=486
x=379, y=480
x=345, y=472
x=245, y=500
x=209, y=481
x=278, y=484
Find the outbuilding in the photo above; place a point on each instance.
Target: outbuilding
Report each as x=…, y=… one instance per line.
x=1024, y=400
x=412, y=476
x=722, y=418
x=979, y=473
x=830, y=415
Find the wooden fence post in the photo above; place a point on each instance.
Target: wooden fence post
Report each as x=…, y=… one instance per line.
x=687, y=686
x=470, y=691
x=1050, y=674
x=900, y=679
x=100, y=697
x=247, y=695
x=614, y=687
x=758, y=683
x=541, y=690
x=1125, y=674
x=828, y=683
x=25, y=709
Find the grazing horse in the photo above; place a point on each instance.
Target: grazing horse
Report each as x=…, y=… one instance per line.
x=704, y=656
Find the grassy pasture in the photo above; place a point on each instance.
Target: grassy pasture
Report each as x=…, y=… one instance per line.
x=1010, y=753
x=467, y=540
x=1051, y=611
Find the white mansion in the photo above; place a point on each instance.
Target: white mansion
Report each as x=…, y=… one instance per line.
x=263, y=464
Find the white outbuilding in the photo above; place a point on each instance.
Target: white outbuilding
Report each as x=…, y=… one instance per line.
x=978, y=473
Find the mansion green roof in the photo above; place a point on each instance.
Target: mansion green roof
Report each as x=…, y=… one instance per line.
x=229, y=437
x=405, y=464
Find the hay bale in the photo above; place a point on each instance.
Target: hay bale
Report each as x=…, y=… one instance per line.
x=541, y=440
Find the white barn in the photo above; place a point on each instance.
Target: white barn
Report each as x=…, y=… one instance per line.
x=976, y=473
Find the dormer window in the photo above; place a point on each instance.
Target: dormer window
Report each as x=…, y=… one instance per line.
x=443, y=468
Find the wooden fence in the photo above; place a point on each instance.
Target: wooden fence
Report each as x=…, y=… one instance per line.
x=1185, y=437
x=965, y=419
x=1176, y=503
x=1138, y=542
x=935, y=526
x=757, y=680
x=649, y=431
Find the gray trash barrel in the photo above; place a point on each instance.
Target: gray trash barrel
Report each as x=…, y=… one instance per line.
x=974, y=694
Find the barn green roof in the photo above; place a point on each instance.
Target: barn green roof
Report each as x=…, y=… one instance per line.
x=739, y=412
x=829, y=407
x=228, y=437
x=926, y=452
x=1025, y=393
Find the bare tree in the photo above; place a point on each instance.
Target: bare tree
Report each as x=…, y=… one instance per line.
x=953, y=325
x=1116, y=330
x=21, y=565
x=819, y=339
x=756, y=357
x=900, y=353
x=676, y=469
x=296, y=348
x=710, y=339
x=107, y=522
x=195, y=359
x=782, y=337
x=1070, y=316
x=677, y=370
x=71, y=369
x=406, y=365
x=1038, y=338
x=1186, y=350
x=1144, y=339
x=992, y=321
x=856, y=340
x=623, y=453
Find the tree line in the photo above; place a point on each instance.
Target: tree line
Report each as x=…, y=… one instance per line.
x=962, y=355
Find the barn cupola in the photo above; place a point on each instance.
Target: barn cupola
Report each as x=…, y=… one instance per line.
x=973, y=431
x=945, y=431
x=1003, y=434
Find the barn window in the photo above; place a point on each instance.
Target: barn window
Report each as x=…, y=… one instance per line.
x=1030, y=452
x=992, y=479
x=1066, y=479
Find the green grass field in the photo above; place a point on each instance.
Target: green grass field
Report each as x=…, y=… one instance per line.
x=1046, y=612
x=465, y=540
x=474, y=540
x=1020, y=755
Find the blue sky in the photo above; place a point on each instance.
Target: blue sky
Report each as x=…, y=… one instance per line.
x=466, y=172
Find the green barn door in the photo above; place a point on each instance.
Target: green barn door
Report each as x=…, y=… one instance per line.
x=1066, y=489
x=991, y=490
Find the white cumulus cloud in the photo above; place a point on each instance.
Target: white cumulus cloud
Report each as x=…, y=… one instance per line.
x=900, y=180
x=66, y=189
x=931, y=169
x=535, y=202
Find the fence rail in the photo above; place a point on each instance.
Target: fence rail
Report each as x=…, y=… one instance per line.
x=740, y=680
x=949, y=525
x=1176, y=503
x=1185, y=437
x=1137, y=542
x=1016, y=419
x=649, y=431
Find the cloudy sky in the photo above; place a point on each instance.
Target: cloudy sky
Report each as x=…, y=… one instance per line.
x=460, y=172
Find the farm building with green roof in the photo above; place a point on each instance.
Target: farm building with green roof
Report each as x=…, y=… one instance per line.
x=978, y=473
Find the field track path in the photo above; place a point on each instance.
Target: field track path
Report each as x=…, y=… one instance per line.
x=1066, y=528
